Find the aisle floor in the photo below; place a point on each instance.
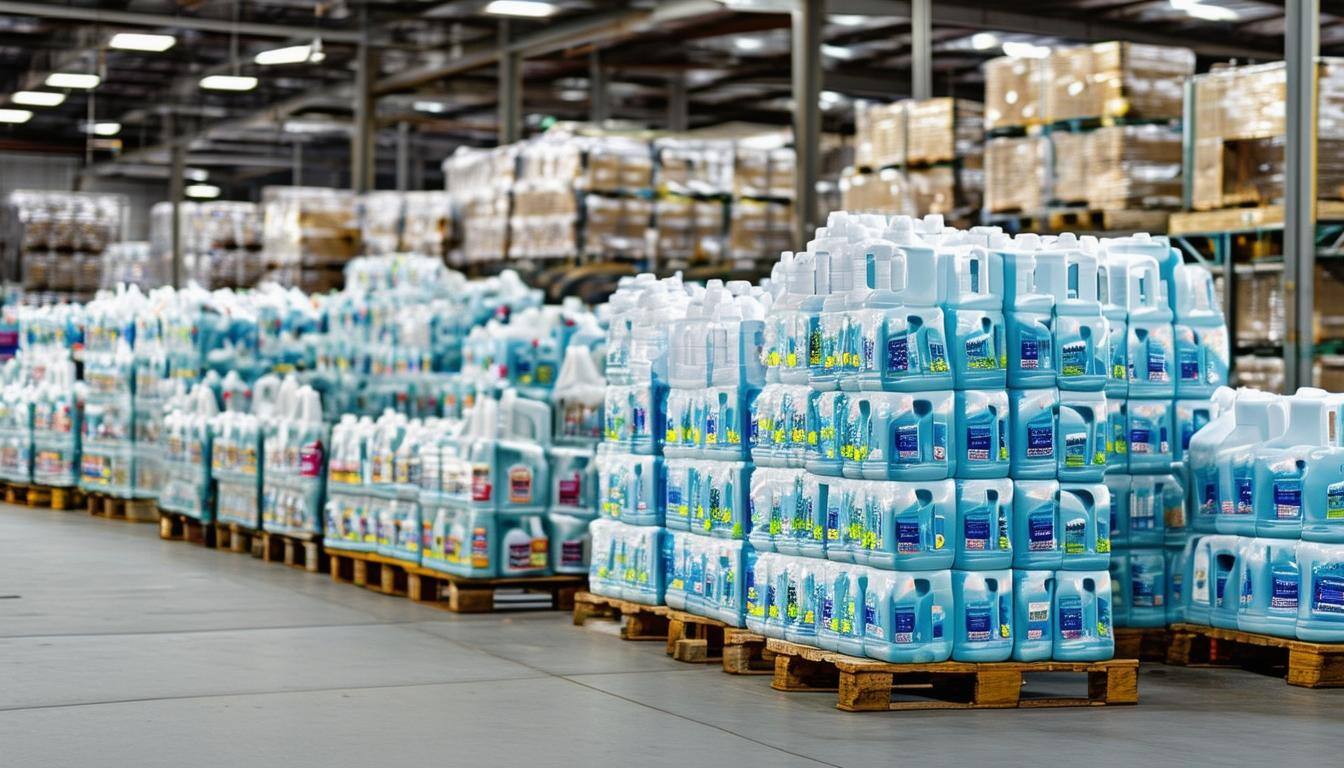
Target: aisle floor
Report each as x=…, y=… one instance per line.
x=118, y=649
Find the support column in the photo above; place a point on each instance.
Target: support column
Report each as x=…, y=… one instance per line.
x=176, y=184
x=296, y=171
x=678, y=104
x=599, y=97
x=510, y=89
x=1301, y=46
x=362, y=177
x=403, y=155
x=921, y=49
x=807, y=21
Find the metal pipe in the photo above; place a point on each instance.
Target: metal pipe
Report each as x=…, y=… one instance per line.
x=361, y=140
x=176, y=184
x=807, y=20
x=1301, y=44
x=921, y=49
x=678, y=104
x=132, y=19
x=510, y=88
x=599, y=106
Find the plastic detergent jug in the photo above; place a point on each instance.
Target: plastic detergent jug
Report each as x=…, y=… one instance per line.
x=1117, y=435
x=1032, y=446
x=841, y=599
x=1225, y=578
x=913, y=351
x=570, y=542
x=1149, y=440
x=1200, y=330
x=1068, y=273
x=1201, y=461
x=758, y=588
x=1120, y=488
x=1083, y=624
x=1036, y=532
x=1145, y=591
x=981, y=433
x=844, y=500
x=1193, y=415
x=767, y=506
x=1111, y=292
x=915, y=521
x=1033, y=596
x=983, y=626
x=1323, y=495
x=1028, y=315
x=1080, y=436
x=788, y=326
x=1259, y=418
x=1270, y=587
x=1178, y=559
x=684, y=499
x=573, y=480
x=579, y=394
x=1197, y=589
x=630, y=487
x=826, y=437
x=905, y=616
x=983, y=528
x=1278, y=465
x=899, y=436
x=973, y=309
x=1320, y=615
x=874, y=295
x=1169, y=495
x=803, y=591
x=835, y=271
x=778, y=432
x=1149, y=342
x=1084, y=517
x=806, y=496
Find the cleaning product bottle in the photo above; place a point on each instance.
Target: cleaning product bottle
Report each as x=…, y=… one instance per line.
x=1084, y=517
x=902, y=436
x=1037, y=537
x=802, y=599
x=1259, y=417
x=1323, y=494
x=1080, y=436
x=973, y=308
x=804, y=498
x=1201, y=461
x=1271, y=587
x=1033, y=595
x=797, y=310
x=916, y=520
x=1121, y=490
x=845, y=515
x=1111, y=292
x=983, y=625
x=1150, y=430
x=1170, y=493
x=1145, y=591
x=1150, y=346
x=1200, y=331
x=1117, y=435
x=1278, y=465
x=981, y=434
x=1320, y=614
x=1029, y=316
x=1193, y=415
x=914, y=348
x=827, y=439
x=1178, y=559
x=1068, y=273
x=983, y=531
x=905, y=616
x=1082, y=612
x=1225, y=578
x=759, y=589
x=834, y=271
x=1032, y=442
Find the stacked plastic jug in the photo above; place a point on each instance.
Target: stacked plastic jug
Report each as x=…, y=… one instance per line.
x=1267, y=487
x=577, y=399
x=187, y=457
x=715, y=371
x=295, y=445
x=109, y=427
x=629, y=545
x=922, y=495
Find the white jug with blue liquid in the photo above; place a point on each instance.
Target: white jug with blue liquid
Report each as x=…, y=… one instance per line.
x=1084, y=516
x=1112, y=288
x=1028, y=312
x=983, y=610
x=1033, y=615
x=1080, y=436
x=1084, y=629
x=1224, y=553
x=1150, y=429
x=827, y=439
x=1279, y=464
x=916, y=521
x=1271, y=587
x=1201, y=459
x=840, y=627
x=981, y=434
x=1259, y=418
x=972, y=281
x=1032, y=443
x=914, y=348
x=1202, y=349
x=905, y=616
x=983, y=530
x=1320, y=616
x=1145, y=587
x=900, y=436
x=1150, y=345
x=1068, y=272
x=1037, y=537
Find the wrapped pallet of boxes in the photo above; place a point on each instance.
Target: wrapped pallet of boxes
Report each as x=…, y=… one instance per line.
x=942, y=130
x=934, y=190
x=1013, y=92
x=310, y=234
x=544, y=220
x=883, y=191
x=694, y=166
x=479, y=182
x=1068, y=150
x=1132, y=166
x=616, y=227
x=615, y=164
x=1114, y=80
x=1260, y=305
x=759, y=230
x=1015, y=174
x=763, y=173
x=1263, y=373
x=1239, y=135
x=879, y=134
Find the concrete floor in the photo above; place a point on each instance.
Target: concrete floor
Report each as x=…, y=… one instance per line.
x=119, y=649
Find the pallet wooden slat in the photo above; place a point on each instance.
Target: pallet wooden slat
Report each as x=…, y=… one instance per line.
x=42, y=496
x=1304, y=664
x=238, y=539
x=129, y=510
x=1234, y=219
x=302, y=551
x=175, y=526
x=865, y=685
x=687, y=637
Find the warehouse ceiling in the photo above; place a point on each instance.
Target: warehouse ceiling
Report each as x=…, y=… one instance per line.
x=436, y=67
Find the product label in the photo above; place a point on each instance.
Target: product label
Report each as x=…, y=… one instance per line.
x=1038, y=619
x=1189, y=365
x=1070, y=619
x=1040, y=442
x=904, y=620
x=979, y=356
x=978, y=443
x=1157, y=362
x=1141, y=514
x=975, y=534
x=1288, y=499
x=1073, y=359
x=1334, y=501
x=1041, y=533
x=1244, y=494
x=1075, y=449
x=570, y=491
x=571, y=554
x=1031, y=352
x=1327, y=594
x=1142, y=589
x=908, y=538
x=898, y=354
x=1283, y=592
x=520, y=485
x=979, y=623
x=870, y=626
x=1139, y=440
x=1075, y=537
x=907, y=443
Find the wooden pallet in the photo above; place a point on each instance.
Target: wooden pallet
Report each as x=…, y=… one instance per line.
x=179, y=527
x=688, y=637
x=129, y=510
x=43, y=496
x=1088, y=220
x=238, y=538
x=1239, y=219
x=866, y=685
x=1142, y=643
x=297, y=550
x=454, y=593
x=1300, y=663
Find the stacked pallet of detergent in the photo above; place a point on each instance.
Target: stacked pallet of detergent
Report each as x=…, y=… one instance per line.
x=1267, y=486
x=295, y=443
x=628, y=538
x=56, y=396
x=107, y=441
x=577, y=399
x=187, y=442
x=715, y=371
x=920, y=437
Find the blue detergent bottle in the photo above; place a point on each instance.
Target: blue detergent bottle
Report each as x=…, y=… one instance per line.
x=766, y=413
x=1083, y=624
x=1279, y=464
x=983, y=532
x=827, y=422
x=678, y=591
x=886, y=272
x=794, y=318
x=1197, y=589
x=1178, y=559
x=1323, y=494
x=1033, y=596
x=1117, y=435
x=1320, y=615
x=803, y=599
x=1028, y=316
x=1202, y=465
x=917, y=519
x=758, y=590
x=859, y=352
x=1119, y=571
x=766, y=507
x=972, y=282
x=1084, y=517
x=983, y=609
x=1080, y=436
x=1150, y=431
x=835, y=274
x=845, y=516
x=914, y=349
x=805, y=497
x=1259, y=419
x=908, y=435
x=682, y=499
x=1149, y=341
x=1111, y=288
x=981, y=434
x=1032, y=443
x=1120, y=488
x=1200, y=331
x=726, y=510
x=1192, y=416
x=844, y=601
x=1170, y=492
x=1146, y=588
x=905, y=617
x=1225, y=580
x=1068, y=272
x=1271, y=585
x=1037, y=537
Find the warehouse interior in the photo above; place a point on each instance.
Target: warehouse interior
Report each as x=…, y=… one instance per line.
x=352, y=247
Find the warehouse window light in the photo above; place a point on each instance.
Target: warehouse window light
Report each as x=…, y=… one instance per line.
x=983, y=41
x=1025, y=50
x=73, y=80
x=196, y=174
x=848, y=20
x=15, y=115
x=748, y=43
x=1204, y=11
x=102, y=129
x=202, y=191
x=37, y=98
x=836, y=51
x=529, y=8
x=139, y=41
x=228, y=82
x=432, y=107
x=292, y=54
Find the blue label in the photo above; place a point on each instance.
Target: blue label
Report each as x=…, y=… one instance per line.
x=1288, y=499
x=979, y=623
x=832, y=518
x=673, y=497
x=978, y=443
x=1031, y=352
x=1041, y=533
x=1328, y=594
x=1189, y=365
x=1141, y=587
x=978, y=354
x=1244, y=505
x=1070, y=619
x=898, y=354
x=904, y=619
x=870, y=615
x=1073, y=359
x=1284, y=592
x=975, y=532
x=827, y=610
x=939, y=442
x=908, y=538
x=1157, y=362
x=1041, y=442
x=1219, y=584
x=1139, y=438
x=907, y=443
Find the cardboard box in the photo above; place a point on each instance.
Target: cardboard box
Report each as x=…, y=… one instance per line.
x=1069, y=157
x=942, y=130
x=879, y=134
x=1132, y=166
x=1015, y=174
x=1115, y=79
x=884, y=191
x=1013, y=89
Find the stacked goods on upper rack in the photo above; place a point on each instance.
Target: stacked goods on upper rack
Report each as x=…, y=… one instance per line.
x=479, y=182
x=406, y=222
x=694, y=181
x=309, y=235
x=221, y=247
x=55, y=241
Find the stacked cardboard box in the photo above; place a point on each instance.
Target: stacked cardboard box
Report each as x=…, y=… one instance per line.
x=687, y=230
x=1133, y=166
x=1260, y=305
x=1128, y=80
x=479, y=182
x=884, y=191
x=701, y=167
x=879, y=134
x=942, y=130
x=763, y=173
x=759, y=228
x=309, y=235
x=616, y=227
x=58, y=239
x=1015, y=174
x=406, y=222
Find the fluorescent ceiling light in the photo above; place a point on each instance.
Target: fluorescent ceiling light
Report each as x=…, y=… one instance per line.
x=983, y=41
x=530, y=8
x=836, y=51
x=228, y=82
x=102, y=129
x=15, y=115
x=433, y=107
x=573, y=94
x=206, y=191
x=848, y=20
x=138, y=41
x=748, y=43
x=196, y=174
x=1204, y=11
x=1026, y=50
x=73, y=80
x=293, y=54
x=37, y=98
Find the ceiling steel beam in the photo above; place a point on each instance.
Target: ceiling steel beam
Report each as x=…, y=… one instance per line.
x=132, y=19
